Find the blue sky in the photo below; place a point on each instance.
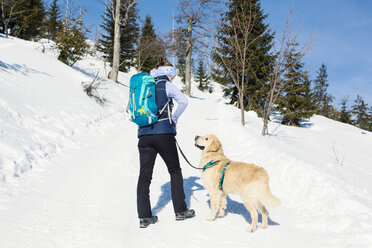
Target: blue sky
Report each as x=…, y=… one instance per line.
x=342, y=42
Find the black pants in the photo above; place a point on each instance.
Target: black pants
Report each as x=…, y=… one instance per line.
x=149, y=146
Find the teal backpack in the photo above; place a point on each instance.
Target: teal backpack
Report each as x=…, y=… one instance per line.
x=142, y=104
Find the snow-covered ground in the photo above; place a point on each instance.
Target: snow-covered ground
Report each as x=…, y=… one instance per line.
x=69, y=167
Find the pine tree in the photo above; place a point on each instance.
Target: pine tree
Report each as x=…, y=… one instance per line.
x=370, y=119
x=345, y=115
x=334, y=113
x=295, y=102
x=106, y=40
x=71, y=41
x=180, y=52
x=202, y=78
x=323, y=100
x=11, y=15
x=128, y=38
x=22, y=18
x=259, y=57
x=53, y=23
x=33, y=21
x=128, y=42
x=309, y=96
x=150, y=47
x=359, y=109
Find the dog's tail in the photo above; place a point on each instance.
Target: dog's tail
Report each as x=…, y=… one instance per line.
x=268, y=199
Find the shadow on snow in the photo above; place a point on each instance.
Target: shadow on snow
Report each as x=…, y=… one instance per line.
x=190, y=186
x=20, y=68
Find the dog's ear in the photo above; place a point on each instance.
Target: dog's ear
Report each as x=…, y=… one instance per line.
x=214, y=146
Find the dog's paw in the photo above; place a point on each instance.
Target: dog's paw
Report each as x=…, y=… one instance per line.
x=263, y=226
x=211, y=217
x=221, y=214
x=251, y=229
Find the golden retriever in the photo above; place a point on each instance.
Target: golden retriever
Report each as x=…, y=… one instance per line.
x=248, y=180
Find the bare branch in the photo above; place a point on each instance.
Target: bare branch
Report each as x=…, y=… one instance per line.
x=277, y=83
x=195, y=17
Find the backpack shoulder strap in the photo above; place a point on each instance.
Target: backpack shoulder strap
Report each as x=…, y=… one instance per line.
x=166, y=105
x=160, y=80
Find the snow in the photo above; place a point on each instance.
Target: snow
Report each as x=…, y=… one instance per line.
x=69, y=166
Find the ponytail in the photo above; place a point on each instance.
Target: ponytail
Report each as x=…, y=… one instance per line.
x=162, y=62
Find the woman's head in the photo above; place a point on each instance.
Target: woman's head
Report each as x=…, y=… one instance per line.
x=162, y=62
x=164, y=68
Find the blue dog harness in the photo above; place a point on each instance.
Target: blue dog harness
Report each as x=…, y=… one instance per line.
x=211, y=164
x=223, y=176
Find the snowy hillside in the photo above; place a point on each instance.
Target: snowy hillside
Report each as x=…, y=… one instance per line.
x=69, y=167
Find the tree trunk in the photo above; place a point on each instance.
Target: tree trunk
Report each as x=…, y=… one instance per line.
x=188, y=60
x=113, y=75
x=265, y=118
x=5, y=30
x=5, y=23
x=265, y=123
x=241, y=102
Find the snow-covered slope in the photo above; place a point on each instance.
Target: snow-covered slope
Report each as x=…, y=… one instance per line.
x=42, y=106
x=68, y=167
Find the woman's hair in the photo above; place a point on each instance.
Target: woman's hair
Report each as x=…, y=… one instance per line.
x=162, y=62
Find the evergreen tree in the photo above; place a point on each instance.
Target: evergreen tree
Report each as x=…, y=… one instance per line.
x=11, y=15
x=202, y=78
x=323, y=100
x=334, y=114
x=71, y=40
x=359, y=109
x=150, y=47
x=295, y=102
x=22, y=18
x=33, y=20
x=128, y=41
x=53, y=23
x=309, y=96
x=345, y=115
x=128, y=38
x=106, y=40
x=259, y=58
x=370, y=119
x=180, y=52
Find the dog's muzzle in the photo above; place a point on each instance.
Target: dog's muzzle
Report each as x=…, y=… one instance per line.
x=200, y=147
x=196, y=140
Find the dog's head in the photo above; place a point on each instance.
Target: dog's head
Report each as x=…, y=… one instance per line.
x=208, y=143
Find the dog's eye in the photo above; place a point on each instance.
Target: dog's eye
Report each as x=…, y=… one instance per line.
x=206, y=138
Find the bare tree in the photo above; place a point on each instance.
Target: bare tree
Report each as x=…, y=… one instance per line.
x=149, y=48
x=277, y=83
x=115, y=6
x=9, y=11
x=194, y=14
x=176, y=44
x=238, y=37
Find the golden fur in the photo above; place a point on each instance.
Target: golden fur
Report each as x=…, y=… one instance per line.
x=248, y=180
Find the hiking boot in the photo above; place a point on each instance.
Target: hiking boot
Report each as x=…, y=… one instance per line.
x=185, y=214
x=145, y=222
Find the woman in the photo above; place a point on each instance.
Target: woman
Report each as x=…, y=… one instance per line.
x=159, y=138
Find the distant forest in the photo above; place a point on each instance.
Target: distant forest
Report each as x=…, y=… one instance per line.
x=234, y=47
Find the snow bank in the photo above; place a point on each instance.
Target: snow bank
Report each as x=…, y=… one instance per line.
x=42, y=105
